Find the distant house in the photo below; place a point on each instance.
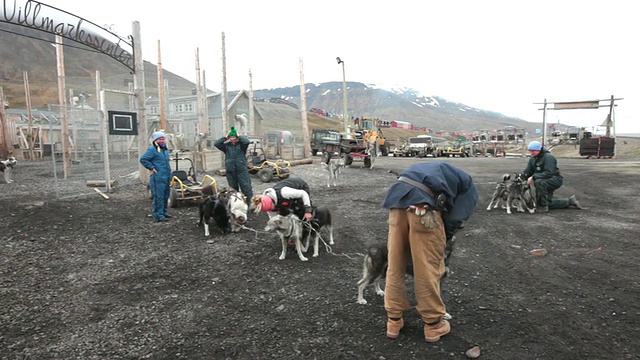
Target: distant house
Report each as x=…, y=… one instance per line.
x=401, y=124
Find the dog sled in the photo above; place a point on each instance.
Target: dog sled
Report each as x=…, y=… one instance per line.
x=184, y=186
x=265, y=169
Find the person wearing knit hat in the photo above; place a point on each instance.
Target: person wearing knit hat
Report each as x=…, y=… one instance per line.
x=542, y=171
x=156, y=160
x=235, y=148
x=288, y=196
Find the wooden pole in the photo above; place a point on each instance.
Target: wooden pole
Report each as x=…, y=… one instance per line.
x=27, y=94
x=163, y=116
x=5, y=137
x=138, y=81
x=303, y=113
x=104, y=132
x=610, y=119
x=544, y=123
x=253, y=129
x=223, y=95
x=62, y=99
x=203, y=124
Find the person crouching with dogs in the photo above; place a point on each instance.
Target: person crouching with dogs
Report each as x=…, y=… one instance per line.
x=288, y=196
x=542, y=170
x=234, y=148
x=427, y=205
x=156, y=160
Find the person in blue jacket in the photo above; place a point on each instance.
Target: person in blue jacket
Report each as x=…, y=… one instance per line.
x=235, y=162
x=427, y=205
x=156, y=160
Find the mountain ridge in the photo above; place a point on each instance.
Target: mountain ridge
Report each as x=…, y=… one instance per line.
x=30, y=50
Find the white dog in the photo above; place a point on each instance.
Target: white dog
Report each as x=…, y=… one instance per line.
x=237, y=209
x=333, y=168
x=6, y=167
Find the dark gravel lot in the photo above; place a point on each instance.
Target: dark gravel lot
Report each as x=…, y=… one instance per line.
x=90, y=278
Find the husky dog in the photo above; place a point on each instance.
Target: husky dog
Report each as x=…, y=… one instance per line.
x=375, y=264
x=519, y=195
x=215, y=207
x=289, y=228
x=321, y=220
x=500, y=193
x=333, y=168
x=6, y=167
x=237, y=208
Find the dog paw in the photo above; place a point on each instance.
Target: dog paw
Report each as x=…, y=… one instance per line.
x=381, y=292
x=315, y=255
x=281, y=257
x=447, y=316
x=362, y=301
x=304, y=259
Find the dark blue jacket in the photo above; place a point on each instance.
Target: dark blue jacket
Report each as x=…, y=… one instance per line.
x=440, y=177
x=235, y=154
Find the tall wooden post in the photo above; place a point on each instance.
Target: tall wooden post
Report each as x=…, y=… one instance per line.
x=203, y=124
x=5, y=136
x=138, y=84
x=223, y=95
x=27, y=94
x=544, y=123
x=163, y=116
x=252, y=118
x=610, y=118
x=62, y=100
x=303, y=113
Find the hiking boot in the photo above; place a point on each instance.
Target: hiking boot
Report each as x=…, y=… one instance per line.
x=432, y=333
x=574, y=202
x=394, y=327
x=543, y=208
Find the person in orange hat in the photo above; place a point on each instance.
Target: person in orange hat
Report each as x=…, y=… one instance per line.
x=288, y=196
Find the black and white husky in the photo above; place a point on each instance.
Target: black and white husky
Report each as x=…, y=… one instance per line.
x=6, y=167
x=333, y=167
x=374, y=269
x=321, y=220
x=215, y=207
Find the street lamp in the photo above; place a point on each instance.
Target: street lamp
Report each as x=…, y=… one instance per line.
x=344, y=98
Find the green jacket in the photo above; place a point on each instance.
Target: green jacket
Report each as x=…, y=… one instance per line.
x=543, y=166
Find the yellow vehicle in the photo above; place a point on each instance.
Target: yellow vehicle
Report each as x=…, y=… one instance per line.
x=183, y=185
x=265, y=169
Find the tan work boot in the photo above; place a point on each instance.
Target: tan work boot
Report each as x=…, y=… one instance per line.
x=432, y=333
x=394, y=327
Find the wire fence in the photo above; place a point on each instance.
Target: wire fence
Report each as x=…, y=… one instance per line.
x=98, y=159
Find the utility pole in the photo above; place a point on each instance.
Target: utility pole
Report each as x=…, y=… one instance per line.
x=27, y=94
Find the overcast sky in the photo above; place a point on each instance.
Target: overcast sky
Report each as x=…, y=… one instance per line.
x=502, y=56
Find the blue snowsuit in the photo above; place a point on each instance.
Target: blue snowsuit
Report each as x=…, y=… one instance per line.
x=235, y=163
x=156, y=157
